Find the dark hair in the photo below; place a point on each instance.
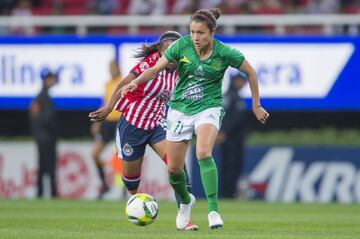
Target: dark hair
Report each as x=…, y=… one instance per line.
x=46, y=73
x=207, y=16
x=146, y=50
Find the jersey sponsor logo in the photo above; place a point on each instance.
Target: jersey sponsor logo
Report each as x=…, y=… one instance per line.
x=185, y=59
x=193, y=92
x=128, y=150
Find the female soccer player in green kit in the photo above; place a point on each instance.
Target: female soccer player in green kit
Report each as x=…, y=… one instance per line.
x=196, y=106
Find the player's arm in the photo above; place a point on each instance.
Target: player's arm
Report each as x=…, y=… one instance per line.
x=259, y=112
x=35, y=108
x=147, y=75
x=104, y=111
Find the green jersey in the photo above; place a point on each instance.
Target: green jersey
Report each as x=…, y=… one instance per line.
x=199, y=84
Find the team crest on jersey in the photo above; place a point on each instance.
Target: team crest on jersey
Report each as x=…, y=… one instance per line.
x=127, y=149
x=216, y=64
x=199, y=71
x=144, y=66
x=165, y=96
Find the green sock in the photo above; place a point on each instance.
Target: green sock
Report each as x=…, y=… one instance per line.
x=178, y=182
x=209, y=178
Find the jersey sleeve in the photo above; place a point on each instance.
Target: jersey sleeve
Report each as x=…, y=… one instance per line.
x=172, y=52
x=234, y=56
x=145, y=64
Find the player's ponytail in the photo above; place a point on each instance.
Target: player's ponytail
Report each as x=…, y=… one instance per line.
x=146, y=50
x=216, y=12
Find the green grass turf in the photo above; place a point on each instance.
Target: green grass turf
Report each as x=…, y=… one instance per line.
x=243, y=219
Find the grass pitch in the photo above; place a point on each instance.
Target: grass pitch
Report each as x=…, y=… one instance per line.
x=243, y=219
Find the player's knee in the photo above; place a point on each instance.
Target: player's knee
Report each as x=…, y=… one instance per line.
x=131, y=183
x=203, y=152
x=174, y=170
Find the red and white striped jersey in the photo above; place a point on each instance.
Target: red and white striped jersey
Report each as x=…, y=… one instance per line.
x=145, y=107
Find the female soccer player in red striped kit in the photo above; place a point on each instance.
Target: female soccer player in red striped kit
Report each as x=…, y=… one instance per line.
x=143, y=113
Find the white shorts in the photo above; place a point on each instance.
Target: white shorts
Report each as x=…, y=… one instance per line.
x=181, y=126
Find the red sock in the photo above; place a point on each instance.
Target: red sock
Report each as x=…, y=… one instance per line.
x=131, y=183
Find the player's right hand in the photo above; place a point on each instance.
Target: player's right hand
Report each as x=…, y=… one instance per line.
x=261, y=114
x=100, y=114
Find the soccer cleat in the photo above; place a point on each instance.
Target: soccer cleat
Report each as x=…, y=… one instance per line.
x=215, y=220
x=191, y=227
x=184, y=213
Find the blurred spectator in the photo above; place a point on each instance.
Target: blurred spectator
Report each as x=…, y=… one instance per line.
x=6, y=6
x=5, y=10
x=104, y=131
x=23, y=10
x=206, y=4
x=43, y=122
x=235, y=7
x=162, y=7
x=57, y=10
x=184, y=7
x=350, y=6
x=147, y=7
x=322, y=6
x=103, y=7
x=294, y=6
x=266, y=7
x=232, y=135
x=36, y=3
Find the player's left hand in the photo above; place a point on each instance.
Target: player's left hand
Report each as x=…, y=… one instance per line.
x=100, y=114
x=261, y=114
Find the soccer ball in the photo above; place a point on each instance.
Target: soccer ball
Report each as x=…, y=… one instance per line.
x=141, y=209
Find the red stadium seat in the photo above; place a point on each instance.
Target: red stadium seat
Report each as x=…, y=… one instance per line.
x=170, y=6
x=118, y=31
x=46, y=3
x=124, y=6
x=41, y=11
x=75, y=10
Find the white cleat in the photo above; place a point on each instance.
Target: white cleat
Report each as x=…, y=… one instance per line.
x=215, y=220
x=184, y=214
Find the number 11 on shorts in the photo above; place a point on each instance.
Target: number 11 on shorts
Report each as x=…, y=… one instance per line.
x=179, y=127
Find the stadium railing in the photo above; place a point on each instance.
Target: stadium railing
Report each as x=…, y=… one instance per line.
x=328, y=23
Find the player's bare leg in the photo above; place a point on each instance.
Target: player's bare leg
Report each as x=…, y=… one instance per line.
x=98, y=147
